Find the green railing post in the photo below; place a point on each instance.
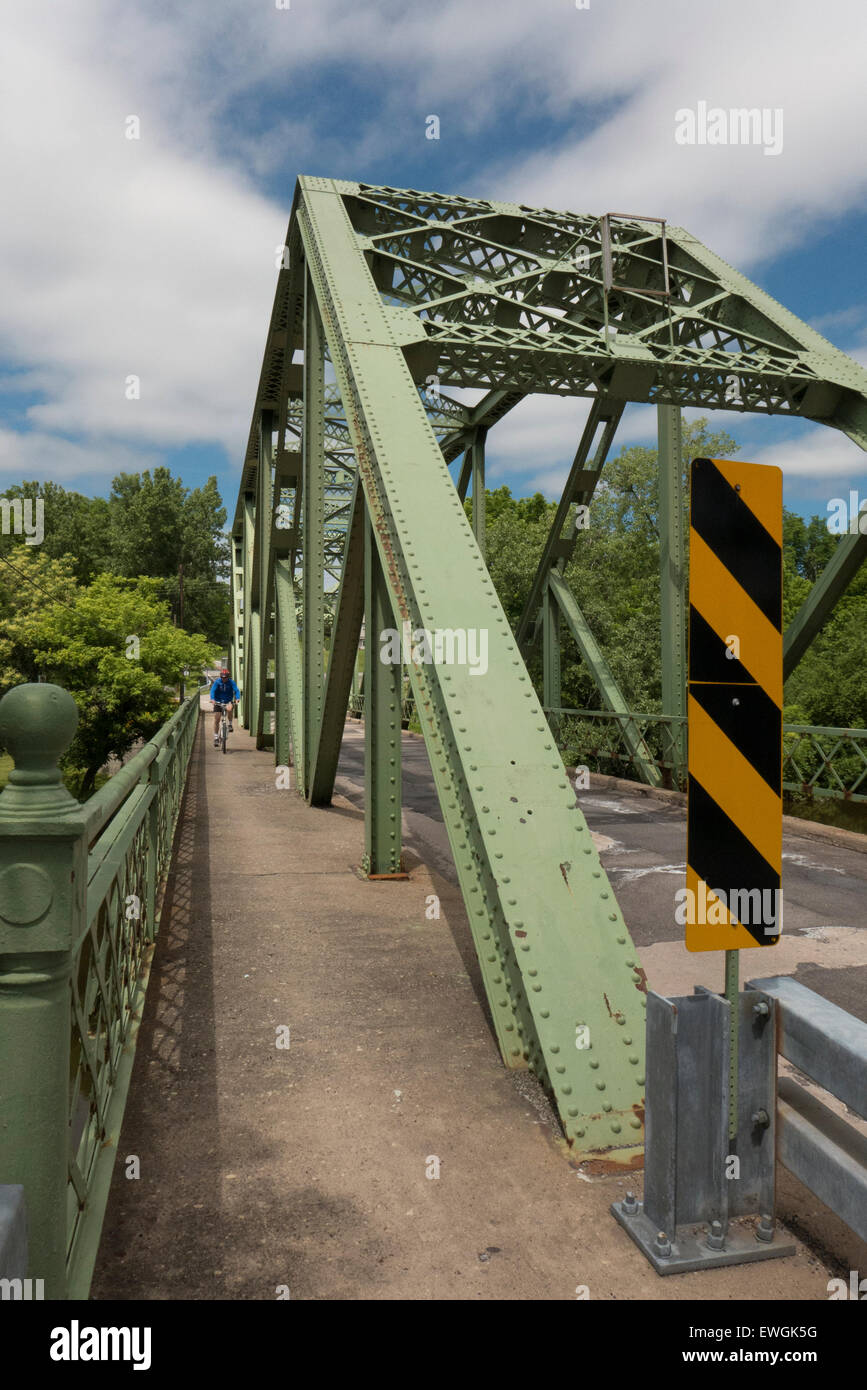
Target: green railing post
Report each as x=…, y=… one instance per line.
x=43, y=883
x=156, y=772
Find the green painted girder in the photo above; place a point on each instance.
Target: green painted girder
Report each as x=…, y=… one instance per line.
x=554, y=949
x=672, y=568
x=477, y=462
x=313, y=591
x=465, y=474
x=342, y=657
x=501, y=295
x=289, y=659
x=493, y=406
x=819, y=603
x=580, y=485
x=263, y=568
x=382, y=723
x=603, y=677
x=420, y=291
x=551, y=691
x=248, y=694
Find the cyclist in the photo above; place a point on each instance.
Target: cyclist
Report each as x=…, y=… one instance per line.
x=223, y=692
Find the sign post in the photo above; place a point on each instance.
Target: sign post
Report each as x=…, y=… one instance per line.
x=711, y=1059
x=735, y=717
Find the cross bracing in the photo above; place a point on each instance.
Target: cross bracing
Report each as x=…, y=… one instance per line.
x=387, y=298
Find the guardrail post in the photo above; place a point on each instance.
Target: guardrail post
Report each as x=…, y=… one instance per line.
x=43, y=884
x=155, y=777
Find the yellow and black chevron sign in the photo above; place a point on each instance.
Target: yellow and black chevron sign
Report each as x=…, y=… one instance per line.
x=734, y=809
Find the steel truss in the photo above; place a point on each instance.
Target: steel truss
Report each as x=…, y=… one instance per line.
x=347, y=514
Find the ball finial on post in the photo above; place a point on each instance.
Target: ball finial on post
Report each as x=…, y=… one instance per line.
x=37, y=725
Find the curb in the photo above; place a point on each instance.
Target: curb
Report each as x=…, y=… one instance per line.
x=792, y=825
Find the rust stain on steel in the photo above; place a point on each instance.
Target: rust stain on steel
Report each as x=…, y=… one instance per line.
x=604, y=1167
x=563, y=869
x=520, y=933
x=641, y=982
x=612, y=1013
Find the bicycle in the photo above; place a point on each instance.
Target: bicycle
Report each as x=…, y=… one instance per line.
x=224, y=726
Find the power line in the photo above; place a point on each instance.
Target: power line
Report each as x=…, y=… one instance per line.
x=55, y=598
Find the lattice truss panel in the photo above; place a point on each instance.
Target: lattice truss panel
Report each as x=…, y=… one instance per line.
x=387, y=298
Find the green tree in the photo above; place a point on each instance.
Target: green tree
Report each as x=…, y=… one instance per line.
x=151, y=525
x=807, y=545
x=614, y=572
x=110, y=643
x=73, y=525
x=163, y=530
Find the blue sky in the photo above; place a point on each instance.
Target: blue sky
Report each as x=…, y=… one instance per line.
x=156, y=256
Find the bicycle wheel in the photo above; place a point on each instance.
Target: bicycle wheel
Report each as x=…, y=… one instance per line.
x=223, y=732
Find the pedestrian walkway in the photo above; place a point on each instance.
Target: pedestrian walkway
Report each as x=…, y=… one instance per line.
x=311, y=1167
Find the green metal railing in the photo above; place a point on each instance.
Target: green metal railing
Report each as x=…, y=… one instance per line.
x=604, y=742
x=80, y=898
x=817, y=762
x=357, y=706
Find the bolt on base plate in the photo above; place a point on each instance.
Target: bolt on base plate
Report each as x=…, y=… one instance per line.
x=688, y=1246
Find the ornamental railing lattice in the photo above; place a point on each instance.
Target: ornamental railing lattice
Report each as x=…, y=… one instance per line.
x=80, y=898
x=817, y=762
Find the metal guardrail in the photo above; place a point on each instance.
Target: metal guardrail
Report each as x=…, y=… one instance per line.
x=825, y=1152
x=825, y=762
x=600, y=741
x=817, y=762
x=80, y=897
x=407, y=709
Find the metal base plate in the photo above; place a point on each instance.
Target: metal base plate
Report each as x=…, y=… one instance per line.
x=689, y=1247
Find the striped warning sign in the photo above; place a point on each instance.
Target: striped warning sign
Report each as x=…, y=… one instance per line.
x=734, y=808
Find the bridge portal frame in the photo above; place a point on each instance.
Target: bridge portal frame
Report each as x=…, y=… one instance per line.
x=386, y=296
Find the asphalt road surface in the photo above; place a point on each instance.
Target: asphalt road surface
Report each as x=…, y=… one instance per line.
x=642, y=844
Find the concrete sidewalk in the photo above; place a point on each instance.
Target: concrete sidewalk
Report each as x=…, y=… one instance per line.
x=264, y=1166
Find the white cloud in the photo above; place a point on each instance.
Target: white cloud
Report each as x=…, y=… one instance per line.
x=820, y=455
x=537, y=440
x=43, y=456
x=156, y=257
x=122, y=257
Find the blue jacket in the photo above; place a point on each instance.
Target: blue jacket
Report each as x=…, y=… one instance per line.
x=224, y=692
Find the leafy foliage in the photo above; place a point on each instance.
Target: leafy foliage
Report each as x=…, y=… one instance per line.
x=110, y=643
x=614, y=572
x=614, y=575
x=150, y=525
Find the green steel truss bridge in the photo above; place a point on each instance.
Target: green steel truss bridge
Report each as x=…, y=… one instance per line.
x=387, y=298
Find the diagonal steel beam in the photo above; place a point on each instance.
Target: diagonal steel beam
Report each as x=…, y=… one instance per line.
x=491, y=408
x=551, y=690
x=602, y=675
x=382, y=723
x=345, y=633
x=477, y=455
x=262, y=561
x=313, y=590
x=555, y=954
x=288, y=649
x=248, y=691
x=466, y=473
x=822, y=598
x=605, y=415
